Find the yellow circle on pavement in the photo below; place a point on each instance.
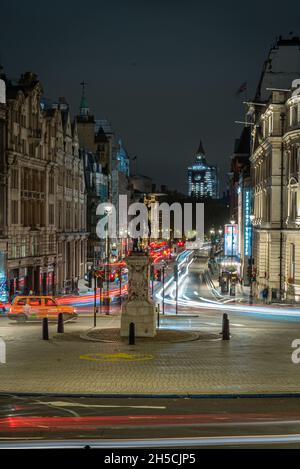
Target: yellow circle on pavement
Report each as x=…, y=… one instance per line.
x=116, y=357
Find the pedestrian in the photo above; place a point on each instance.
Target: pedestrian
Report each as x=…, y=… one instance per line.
x=265, y=293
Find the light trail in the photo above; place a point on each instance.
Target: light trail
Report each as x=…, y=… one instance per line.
x=261, y=311
x=156, y=442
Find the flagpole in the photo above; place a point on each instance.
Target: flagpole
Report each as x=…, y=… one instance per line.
x=246, y=99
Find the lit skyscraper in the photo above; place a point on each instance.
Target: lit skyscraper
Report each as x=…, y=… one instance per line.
x=202, y=178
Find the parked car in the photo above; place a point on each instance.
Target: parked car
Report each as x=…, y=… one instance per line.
x=24, y=308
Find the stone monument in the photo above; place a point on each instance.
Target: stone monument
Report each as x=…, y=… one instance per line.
x=138, y=308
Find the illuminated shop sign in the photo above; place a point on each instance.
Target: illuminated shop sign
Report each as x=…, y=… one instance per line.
x=3, y=279
x=231, y=240
x=247, y=223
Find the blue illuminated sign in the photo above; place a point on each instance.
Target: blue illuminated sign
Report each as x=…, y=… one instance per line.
x=247, y=223
x=3, y=279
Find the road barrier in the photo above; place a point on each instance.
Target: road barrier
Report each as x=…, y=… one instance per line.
x=225, y=327
x=131, y=333
x=45, y=329
x=60, y=324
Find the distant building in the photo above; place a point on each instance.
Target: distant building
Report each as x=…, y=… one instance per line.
x=240, y=167
x=96, y=188
x=141, y=185
x=202, y=178
x=123, y=159
x=107, y=177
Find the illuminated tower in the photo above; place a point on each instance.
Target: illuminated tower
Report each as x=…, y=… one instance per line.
x=202, y=178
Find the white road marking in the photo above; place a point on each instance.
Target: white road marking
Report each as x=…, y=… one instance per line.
x=77, y=404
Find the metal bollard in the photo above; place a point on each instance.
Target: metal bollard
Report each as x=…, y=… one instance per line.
x=158, y=312
x=225, y=327
x=60, y=324
x=131, y=333
x=45, y=329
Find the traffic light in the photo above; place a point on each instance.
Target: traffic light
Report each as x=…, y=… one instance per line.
x=112, y=277
x=89, y=278
x=157, y=276
x=99, y=277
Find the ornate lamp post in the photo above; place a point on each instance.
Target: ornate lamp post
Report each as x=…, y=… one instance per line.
x=108, y=210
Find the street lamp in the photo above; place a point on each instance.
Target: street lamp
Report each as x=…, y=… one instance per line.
x=163, y=265
x=212, y=233
x=108, y=210
x=176, y=273
x=232, y=222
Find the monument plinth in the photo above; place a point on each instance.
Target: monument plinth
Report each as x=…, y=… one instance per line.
x=138, y=308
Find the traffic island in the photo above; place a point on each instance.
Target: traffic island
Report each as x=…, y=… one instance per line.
x=163, y=336
x=112, y=335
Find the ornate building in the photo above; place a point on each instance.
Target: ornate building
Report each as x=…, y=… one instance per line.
x=3, y=193
x=275, y=167
x=45, y=226
x=275, y=120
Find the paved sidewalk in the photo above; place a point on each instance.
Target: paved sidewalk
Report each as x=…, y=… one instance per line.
x=256, y=360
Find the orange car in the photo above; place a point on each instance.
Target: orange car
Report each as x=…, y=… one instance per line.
x=2, y=307
x=38, y=307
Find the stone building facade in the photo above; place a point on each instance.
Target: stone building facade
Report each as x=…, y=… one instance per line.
x=276, y=204
x=45, y=227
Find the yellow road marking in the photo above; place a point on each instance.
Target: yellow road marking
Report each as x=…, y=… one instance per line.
x=116, y=357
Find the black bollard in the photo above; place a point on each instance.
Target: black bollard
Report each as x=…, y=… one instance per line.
x=131, y=333
x=45, y=329
x=225, y=327
x=158, y=316
x=60, y=324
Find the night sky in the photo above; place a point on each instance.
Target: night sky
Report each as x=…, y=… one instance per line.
x=163, y=72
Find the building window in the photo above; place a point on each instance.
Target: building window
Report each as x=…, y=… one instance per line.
x=14, y=212
x=68, y=215
x=14, y=251
x=52, y=244
x=292, y=264
x=14, y=178
x=61, y=178
x=23, y=250
x=270, y=124
x=59, y=216
x=293, y=115
x=34, y=247
x=51, y=184
x=51, y=214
